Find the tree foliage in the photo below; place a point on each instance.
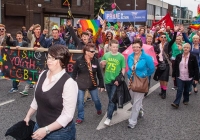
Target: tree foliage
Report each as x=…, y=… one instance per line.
x=98, y=3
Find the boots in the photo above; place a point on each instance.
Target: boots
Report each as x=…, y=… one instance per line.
x=163, y=96
x=161, y=93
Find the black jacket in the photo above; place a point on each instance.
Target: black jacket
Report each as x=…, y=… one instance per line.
x=125, y=44
x=82, y=76
x=14, y=43
x=193, y=67
x=121, y=95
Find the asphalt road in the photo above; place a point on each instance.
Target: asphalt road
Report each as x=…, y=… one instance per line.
x=160, y=121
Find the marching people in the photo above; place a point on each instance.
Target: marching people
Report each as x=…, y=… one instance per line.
x=142, y=65
x=55, y=99
x=195, y=50
x=16, y=43
x=186, y=70
x=86, y=71
x=114, y=63
x=48, y=42
x=34, y=36
x=125, y=42
x=163, y=70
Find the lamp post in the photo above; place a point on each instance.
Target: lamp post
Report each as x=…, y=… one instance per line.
x=162, y=9
x=135, y=9
x=180, y=13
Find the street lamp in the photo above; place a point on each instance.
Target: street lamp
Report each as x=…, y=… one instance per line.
x=180, y=13
x=135, y=9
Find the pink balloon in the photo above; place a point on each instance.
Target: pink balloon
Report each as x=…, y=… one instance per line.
x=113, y=5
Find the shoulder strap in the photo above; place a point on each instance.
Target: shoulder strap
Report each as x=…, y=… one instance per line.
x=169, y=62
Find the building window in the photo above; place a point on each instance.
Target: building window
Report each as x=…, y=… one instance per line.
x=78, y=2
x=150, y=9
x=158, y=11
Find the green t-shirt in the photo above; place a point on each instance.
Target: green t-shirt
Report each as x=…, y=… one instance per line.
x=114, y=65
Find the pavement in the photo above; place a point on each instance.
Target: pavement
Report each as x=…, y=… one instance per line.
x=160, y=121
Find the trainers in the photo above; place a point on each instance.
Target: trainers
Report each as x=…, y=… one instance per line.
x=131, y=126
x=13, y=90
x=174, y=88
x=185, y=103
x=78, y=121
x=141, y=113
x=107, y=122
x=31, y=86
x=114, y=113
x=24, y=93
x=99, y=112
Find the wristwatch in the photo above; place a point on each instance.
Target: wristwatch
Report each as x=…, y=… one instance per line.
x=47, y=130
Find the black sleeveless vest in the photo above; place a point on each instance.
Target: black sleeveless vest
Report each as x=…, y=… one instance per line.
x=50, y=103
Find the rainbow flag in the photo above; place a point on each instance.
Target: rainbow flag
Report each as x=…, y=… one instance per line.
x=93, y=24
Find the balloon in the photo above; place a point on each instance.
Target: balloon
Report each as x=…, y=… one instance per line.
x=102, y=11
x=113, y=6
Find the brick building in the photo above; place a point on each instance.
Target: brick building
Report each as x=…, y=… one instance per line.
x=18, y=13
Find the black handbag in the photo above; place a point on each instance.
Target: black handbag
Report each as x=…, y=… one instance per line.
x=162, y=66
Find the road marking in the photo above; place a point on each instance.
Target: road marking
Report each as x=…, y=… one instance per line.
x=7, y=102
x=122, y=114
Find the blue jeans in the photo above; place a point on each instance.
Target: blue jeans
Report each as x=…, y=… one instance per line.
x=183, y=88
x=111, y=88
x=15, y=84
x=67, y=133
x=80, y=102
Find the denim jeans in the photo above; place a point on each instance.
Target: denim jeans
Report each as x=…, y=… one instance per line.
x=80, y=102
x=15, y=84
x=67, y=133
x=111, y=88
x=183, y=88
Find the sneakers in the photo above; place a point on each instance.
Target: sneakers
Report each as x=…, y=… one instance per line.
x=31, y=86
x=24, y=93
x=107, y=122
x=174, y=88
x=131, y=126
x=78, y=121
x=13, y=90
x=185, y=103
x=141, y=113
x=174, y=105
x=99, y=112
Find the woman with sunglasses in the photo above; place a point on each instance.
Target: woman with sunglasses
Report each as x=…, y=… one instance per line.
x=86, y=69
x=163, y=49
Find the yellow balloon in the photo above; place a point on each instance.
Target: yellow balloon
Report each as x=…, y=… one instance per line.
x=102, y=11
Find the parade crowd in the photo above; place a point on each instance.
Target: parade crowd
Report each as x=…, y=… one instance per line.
x=58, y=94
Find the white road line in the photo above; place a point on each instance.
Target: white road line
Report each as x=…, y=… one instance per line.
x=122, y=114
x=7, y=102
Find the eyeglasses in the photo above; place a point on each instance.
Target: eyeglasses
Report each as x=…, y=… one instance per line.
x=92, y=51
x=163, y=36
x=2, y=29
x=51, y=58
x=136, y=47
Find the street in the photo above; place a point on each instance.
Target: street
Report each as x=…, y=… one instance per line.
x=160, y=121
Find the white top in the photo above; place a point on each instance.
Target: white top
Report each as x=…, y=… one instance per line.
x=69, y=95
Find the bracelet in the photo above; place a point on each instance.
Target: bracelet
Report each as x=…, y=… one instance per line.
x=47, y=130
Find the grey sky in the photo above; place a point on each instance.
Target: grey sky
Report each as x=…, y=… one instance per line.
x=191, y=4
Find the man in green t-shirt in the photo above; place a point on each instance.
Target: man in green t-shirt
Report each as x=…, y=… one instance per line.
x=114, y=63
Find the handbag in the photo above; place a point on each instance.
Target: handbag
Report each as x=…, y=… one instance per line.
x=162, y=66
x=138, y=84
x=170, y=64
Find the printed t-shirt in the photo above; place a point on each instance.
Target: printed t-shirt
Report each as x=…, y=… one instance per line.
x=114, y=64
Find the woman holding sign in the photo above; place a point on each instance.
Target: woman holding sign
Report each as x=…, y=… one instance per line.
x=55, y=99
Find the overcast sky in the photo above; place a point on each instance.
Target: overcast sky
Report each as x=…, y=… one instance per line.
x=191, y=4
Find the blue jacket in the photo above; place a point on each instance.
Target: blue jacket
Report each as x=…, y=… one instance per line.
x=145, y=66
x=46, y=43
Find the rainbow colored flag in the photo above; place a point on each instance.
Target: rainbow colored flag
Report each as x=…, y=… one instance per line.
x=93, y=24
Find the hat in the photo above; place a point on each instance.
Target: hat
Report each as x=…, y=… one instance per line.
x=20, y=131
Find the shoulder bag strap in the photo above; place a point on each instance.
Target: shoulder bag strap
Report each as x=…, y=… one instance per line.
x=169, y=62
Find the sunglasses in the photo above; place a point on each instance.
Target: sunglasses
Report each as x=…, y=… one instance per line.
x=163, y=36
x=2, y=29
